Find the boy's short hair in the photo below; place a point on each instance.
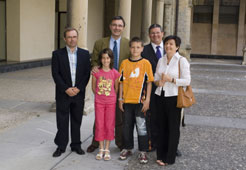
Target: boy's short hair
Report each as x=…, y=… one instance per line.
x=118, y=18
x=176, y=39
x=68, y=29
x=136, y=39
x=110, y=54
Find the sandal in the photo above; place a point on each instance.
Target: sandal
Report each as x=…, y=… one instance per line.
x=99, y=156
x=160, y=163
x=107, y=156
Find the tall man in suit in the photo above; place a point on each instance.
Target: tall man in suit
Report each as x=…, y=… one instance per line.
x=71, y=72
x=153, y=51
x=120, y=47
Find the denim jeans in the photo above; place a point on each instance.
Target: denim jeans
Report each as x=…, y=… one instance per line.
x=133, y=115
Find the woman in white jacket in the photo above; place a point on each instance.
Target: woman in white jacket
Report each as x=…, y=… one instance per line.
x=167, y=81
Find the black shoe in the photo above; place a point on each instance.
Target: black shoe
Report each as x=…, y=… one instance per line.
x=178, y=153
x=78, y=151
x=58, y=152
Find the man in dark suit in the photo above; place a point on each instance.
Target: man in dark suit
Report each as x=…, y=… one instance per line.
x=120, y=47
x=153, y=51
x=71, y=72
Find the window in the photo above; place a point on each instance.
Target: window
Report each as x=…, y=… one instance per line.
x=203, y=14
x=228, y=14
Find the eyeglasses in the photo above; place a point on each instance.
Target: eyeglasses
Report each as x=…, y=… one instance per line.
x=115, y=25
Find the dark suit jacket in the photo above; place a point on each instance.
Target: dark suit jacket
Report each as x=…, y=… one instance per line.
x=62, y=76
x=149, y=54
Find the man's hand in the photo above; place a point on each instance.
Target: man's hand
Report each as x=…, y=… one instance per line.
x=95, y=69
x=121, y=102
x=70, y=92
x=76, y=90
x=145, y=106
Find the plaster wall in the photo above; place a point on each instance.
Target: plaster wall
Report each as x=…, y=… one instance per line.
x=37, y=29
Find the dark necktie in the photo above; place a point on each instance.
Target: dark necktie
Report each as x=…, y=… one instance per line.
x=158, y=52
x=115, y=52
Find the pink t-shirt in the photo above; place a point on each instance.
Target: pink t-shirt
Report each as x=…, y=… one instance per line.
x=105, y=92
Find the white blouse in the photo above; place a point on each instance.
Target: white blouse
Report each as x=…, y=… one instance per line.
x=172, y=70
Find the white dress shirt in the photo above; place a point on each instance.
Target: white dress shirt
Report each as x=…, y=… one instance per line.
x=172, y=69
x=72, y=57
x=161, y=48
x=111, y=45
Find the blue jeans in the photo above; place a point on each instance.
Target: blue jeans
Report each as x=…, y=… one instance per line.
x=133, y=115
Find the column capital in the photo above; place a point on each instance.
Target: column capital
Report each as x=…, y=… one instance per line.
x=190, y=4
x=168, y=2
x=188, y=47
x=244, y=50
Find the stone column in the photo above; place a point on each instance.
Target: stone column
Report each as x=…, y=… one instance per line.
x=77, y=17
x=244, y=55
x=184, y=25
x=240, y=32
x=125, y=12
x=159, y=12
x=215, y=27
x=146, y=20
x=168, y=18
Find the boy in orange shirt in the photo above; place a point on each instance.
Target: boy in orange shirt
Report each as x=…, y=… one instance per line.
x=136, y=74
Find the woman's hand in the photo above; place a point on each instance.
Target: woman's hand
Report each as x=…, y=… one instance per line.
x=166, y=78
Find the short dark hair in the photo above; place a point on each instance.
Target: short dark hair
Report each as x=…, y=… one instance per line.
x=155, y=26
x=136, y=39
x=175, y=38
x=118, y=18
x=110, y=54
x=68, y=29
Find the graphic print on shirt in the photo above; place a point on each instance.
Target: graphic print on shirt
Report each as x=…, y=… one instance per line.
x=104, y=86
x=135, y=73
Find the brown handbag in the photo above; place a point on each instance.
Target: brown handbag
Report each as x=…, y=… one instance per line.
x=186, y=97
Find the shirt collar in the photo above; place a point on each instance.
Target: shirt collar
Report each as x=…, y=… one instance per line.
x=177, y=55
x=112, y=39
x=69, y=50
x=155, y=45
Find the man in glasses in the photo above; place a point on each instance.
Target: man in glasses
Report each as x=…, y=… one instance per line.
x=120, y=47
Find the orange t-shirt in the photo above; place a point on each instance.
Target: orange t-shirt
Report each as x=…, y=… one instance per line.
x=134, y=75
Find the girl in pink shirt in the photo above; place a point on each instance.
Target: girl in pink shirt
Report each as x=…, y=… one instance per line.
x=105, y=87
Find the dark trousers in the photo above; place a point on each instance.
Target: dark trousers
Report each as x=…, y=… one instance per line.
x=64, y=109
x=169, y=123
x=152, y=121
x=132, y=115
x=118, y=129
